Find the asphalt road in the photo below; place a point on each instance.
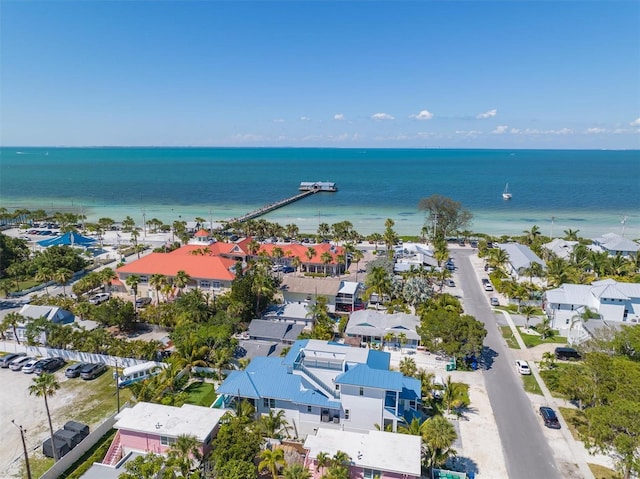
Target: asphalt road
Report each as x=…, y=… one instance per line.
x=526, y=451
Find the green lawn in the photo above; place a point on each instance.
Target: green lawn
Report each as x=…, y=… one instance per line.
x=601, y=472
x=531, y=340
x=531, y=384
x=575, y=419
x=38, y=465
x=201, y=393
x=507, y=334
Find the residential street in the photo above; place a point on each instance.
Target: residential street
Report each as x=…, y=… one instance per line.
x=525, y=448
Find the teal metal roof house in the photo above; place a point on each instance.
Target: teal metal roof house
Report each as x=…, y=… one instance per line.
x=326, y=384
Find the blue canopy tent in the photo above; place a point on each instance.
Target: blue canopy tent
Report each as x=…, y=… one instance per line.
x=68, y=239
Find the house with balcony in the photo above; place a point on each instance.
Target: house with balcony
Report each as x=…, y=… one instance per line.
x=373, y=454
x=148, y=427
x=610, y=300
x=322, y=383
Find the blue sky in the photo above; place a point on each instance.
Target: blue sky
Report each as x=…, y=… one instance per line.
x=506, y=74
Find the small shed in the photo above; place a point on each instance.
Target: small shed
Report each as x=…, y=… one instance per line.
x=72, y=438
x=83, y=429
x=61, y=446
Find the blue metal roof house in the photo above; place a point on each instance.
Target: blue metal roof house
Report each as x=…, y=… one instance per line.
x=321, y=383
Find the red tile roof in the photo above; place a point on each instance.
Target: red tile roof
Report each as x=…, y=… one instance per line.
x=299, y=250
x=168, y=264
x=202, y=233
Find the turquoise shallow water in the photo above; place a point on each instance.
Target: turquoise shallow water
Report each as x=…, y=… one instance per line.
x=587, y=190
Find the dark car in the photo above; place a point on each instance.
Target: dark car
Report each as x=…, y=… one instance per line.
x=143, y=301
x=6, y=360
x=73, y=371
x=567, y=354
x=92, y=371
x=549, y=417
x=49, y=365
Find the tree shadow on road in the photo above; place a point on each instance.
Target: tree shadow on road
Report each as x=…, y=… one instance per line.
x=462, y=464
x=487, y=357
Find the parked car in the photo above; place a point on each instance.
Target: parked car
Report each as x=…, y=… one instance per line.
x=30, y=366
x=17, y=364
x=5, y=361
x=49, y=365
x=494, y=301
x=523, y=367
x=450, y=282
x=73, y=371
x=99, y=298
x=549, y=417
x=143, y=301
x=567, y=353
x=486, y=284
x=92, y=371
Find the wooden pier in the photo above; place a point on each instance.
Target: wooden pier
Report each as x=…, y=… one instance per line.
x=271, y=207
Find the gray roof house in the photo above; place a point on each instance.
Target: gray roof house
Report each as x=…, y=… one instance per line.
x=561, y=248
x=373, y=326
x=265, y=330
x=614, y=243
x=613, y=301
x=52, y=313
x=296, y=312
x=520, y=258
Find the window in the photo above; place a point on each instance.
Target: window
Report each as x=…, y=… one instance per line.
x=337, y=387
x=205, y=284
x=167, y=441
x=267, y=402
x=216, y=285
x=308, y=408
x=412, y=404
x=347, y=414
x=144, y=279
x=371, y=473
x=361, y=391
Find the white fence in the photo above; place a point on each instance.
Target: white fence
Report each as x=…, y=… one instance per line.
x=67, y=355
x=76, y=453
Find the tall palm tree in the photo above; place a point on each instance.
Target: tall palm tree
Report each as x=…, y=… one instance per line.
x=184, y=452
x=182, y=279
x=402, y=339
x=221, y=359
x=107, y=276
x=46, y=386
x=274, y=424
x=157, y=281
x=271, y=461
x=323, y=230
x=310, y=253
x=63, y=276
x=44, y=275
x=439, y=436
x=356, y=257
x=132, y=281
x=296, y=471
x=378, y=282
x=12, y=320
x=528, y=310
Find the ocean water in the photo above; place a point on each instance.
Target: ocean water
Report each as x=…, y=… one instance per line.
x=592, y=191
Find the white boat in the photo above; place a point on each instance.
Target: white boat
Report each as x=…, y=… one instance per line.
x=506, y=195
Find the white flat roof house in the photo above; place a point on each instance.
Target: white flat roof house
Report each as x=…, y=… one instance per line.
x=612, y=300
x=373, y=454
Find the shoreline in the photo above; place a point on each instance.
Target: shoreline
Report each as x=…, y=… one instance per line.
x=365, y=221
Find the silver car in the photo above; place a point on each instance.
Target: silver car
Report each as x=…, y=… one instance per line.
x=17, y=364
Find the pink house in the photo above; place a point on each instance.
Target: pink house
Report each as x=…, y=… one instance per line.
x=384, y=455
x=148, y=427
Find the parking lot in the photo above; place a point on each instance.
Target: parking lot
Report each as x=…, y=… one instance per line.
x=75, y=399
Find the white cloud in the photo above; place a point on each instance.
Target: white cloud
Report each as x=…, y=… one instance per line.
x=338, y=116
x=500, y=130
x=305, y=118
x=635, y=122
x=595, y=131
x=423, y=115
x=469, y=133
x=487, y=114
x=382, y=116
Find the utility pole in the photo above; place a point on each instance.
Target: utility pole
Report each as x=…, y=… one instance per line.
x=115, y=376
x=24, y=448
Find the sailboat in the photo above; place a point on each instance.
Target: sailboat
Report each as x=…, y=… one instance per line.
x=506, y=195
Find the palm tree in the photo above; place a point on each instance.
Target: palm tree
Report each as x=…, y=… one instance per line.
x=402, y=339
x=378, y=282
x=132, y=281
x=414, y=428
x=571, y=235
x=545, y=329
x=45, y=386
x=181, y=279
x=271, y=461
x=296, y=471
x=310, y=253
x=323, y=460
x=532, y=235
x=107, y=276
x=44, y=275
x=12, y=320
x=274, y=425
x=326, y=258
x=323, y=230
x=453, y=395
x=157, y=281
x=356, y=257
x=388, y=338
x=408, y=367
x=63, y=276
x=184, y=452
x=221, y=359
x=528, y=310
x=439, y=435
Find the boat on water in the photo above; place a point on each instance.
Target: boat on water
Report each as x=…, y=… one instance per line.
x=505, y=194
